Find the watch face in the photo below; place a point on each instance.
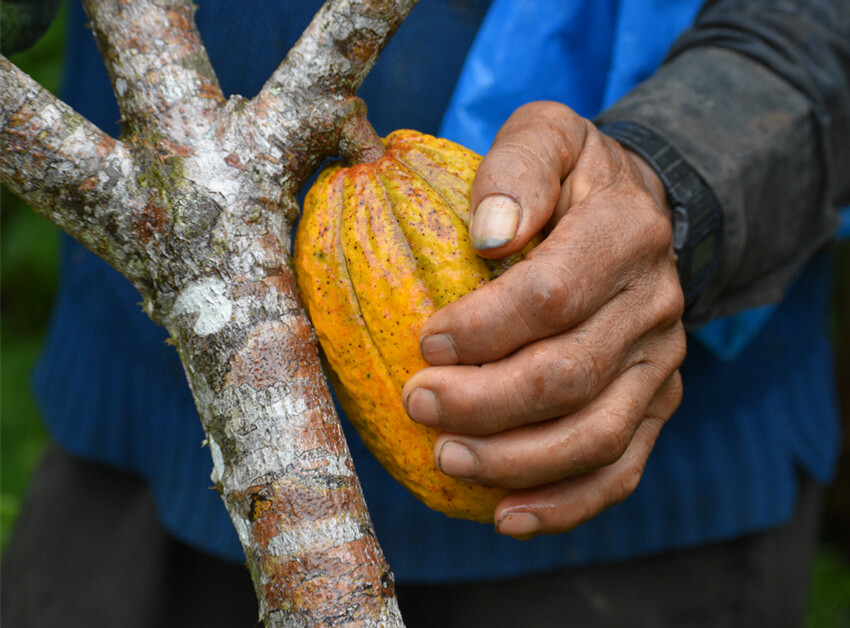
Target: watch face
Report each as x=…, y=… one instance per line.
x=703, y=254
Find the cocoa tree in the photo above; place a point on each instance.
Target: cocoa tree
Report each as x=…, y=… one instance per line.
x=194, y=205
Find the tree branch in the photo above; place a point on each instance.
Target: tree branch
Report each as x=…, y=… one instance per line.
x=311, y=94
x=190, y=210
x=280, y=459
x=69, y=170
x=159, y=68
x=338, y=48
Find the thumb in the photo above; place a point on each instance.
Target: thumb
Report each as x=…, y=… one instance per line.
x=518, y=184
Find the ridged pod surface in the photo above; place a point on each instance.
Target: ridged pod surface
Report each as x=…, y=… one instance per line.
x=380, y=247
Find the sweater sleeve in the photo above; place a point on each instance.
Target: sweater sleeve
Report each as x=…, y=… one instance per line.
x=756, y=98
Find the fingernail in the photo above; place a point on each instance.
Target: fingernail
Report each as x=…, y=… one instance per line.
x=494, y=222
x=422, y=407
x=438, y=349
x=518, y=524
x=456, y=460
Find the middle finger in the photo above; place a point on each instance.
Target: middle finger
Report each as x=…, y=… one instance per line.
x=543, y=380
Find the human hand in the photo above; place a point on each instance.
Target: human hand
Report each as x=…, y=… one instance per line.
x=578, y=345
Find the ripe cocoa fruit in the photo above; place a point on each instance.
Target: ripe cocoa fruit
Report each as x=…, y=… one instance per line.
x=380, y=247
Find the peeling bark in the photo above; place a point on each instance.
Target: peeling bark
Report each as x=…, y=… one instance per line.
x=194, y=206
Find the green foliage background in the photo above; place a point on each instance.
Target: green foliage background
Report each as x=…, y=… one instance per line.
x=28, y=269
x=28, y=277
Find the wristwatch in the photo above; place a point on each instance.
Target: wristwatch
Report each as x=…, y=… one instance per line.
x=697, y=216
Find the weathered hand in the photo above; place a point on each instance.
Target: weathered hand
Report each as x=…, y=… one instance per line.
x=578, y=345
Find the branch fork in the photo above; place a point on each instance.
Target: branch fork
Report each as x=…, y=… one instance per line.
x=194, y=206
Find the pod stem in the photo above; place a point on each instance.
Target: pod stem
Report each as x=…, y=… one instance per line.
x=358, y=141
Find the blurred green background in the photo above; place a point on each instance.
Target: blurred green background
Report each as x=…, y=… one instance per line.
x=28, y=269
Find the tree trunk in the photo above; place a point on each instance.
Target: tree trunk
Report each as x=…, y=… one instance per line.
x=194, y=206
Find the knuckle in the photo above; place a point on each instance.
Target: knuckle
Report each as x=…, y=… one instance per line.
x=515, y=471
x=651, y=226
x=556, y=146
x=676, y=388
x=549, y=111
x=528, y=172
x=530, y=111
x=630, y=479
x=503, y=402
x=667, y=400
x=661, y=230
x=552, y=292
x=525, y=159
x=666, y=354
x=584, y=511
x=520, y=320
x=610, y=440
x=677, y=351
x=469, y=405
x=598, y=166
x=538, y=389
x=669, y=300
x=579, y=373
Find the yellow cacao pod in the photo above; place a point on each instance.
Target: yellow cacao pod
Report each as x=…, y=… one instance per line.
x=380, y=247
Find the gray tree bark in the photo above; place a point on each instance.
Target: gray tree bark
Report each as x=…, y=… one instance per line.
x=194, y=206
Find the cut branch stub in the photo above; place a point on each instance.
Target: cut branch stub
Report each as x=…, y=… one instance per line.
x=194, y=206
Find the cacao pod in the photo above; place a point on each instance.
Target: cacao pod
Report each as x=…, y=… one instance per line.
x=380, y=247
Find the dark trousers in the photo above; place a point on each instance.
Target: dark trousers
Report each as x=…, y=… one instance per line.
x=88, y=551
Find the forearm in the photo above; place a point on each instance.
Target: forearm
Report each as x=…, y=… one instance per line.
x=757, y=101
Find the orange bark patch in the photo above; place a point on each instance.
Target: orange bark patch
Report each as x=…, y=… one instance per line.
x=177, y=21
x=286, y=503
x=321, y=434
x=21, y=117
x=88, y=184
x=105, y=146
x=208, y=90
x=256, y=289
x=177, y=149
x=233, y=161
x=361, y=50
x=271, y=244
x=285, y=287
x=275, y=352
x=347, y=579
x=149, y=222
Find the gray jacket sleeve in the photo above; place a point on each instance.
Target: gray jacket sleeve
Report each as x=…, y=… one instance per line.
x=756, y=98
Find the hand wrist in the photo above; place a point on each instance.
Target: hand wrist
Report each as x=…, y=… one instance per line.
x=697, y=215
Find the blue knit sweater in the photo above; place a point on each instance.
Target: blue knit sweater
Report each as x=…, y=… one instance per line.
x=726, y=464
